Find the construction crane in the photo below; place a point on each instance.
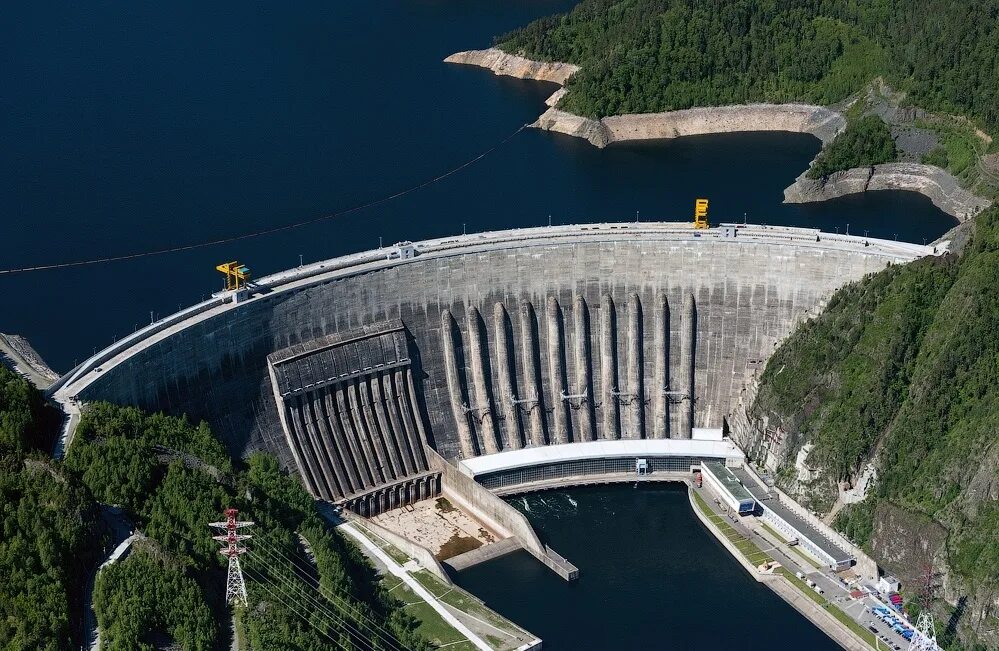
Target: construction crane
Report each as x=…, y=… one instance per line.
x=236, y=275
x=701, y=214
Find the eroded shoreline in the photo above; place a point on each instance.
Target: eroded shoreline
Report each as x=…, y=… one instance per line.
x=941, y=187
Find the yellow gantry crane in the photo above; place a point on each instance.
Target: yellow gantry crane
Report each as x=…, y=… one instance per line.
x=236, y=275
x=701, y=214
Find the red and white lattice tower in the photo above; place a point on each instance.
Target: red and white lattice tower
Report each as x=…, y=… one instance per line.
x=924, y=638
x=235, y=587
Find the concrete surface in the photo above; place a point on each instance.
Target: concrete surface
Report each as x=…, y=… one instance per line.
x=747, y=288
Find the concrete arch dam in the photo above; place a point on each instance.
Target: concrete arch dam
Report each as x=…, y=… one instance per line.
x=360, y=370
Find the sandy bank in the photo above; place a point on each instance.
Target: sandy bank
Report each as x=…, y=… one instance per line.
x=511, y=65
x=819, y=121
x=942, y=188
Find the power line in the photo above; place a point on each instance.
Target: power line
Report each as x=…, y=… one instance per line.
x=364, y=618
x=267, y=231
x=296, y=593
x=261, y=581
x=344, y=606
x=300, y=591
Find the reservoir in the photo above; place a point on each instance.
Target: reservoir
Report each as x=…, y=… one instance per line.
x=136, y=127
x=651, y=577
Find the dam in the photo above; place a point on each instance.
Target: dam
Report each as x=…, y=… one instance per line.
x=366, y=373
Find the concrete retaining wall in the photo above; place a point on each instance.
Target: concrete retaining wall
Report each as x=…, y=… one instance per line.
x=495, y=513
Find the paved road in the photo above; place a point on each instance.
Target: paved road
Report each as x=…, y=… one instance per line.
x=122, y=536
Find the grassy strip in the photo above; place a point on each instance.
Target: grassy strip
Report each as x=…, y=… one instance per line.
x=432, y=625
x=461, y=600
x=746, y=547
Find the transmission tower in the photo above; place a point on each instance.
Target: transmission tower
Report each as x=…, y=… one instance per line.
x=924, y=638
x=235, y=586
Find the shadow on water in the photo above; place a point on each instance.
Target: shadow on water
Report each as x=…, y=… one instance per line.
x=651, y=576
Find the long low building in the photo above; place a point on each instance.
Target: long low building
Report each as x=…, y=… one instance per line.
x=793, y=527
x=727, y=487
x=575, y=462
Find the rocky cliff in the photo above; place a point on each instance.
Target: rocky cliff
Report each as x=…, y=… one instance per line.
x=511, y=65
x=942, y=188
x=819, y=121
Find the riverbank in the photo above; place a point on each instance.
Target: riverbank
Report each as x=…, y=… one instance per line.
x=942, y=188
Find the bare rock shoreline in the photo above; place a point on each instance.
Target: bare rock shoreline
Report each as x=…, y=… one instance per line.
x=941, y=187
x=824, y=123
x=511, y=65
x=819, y=121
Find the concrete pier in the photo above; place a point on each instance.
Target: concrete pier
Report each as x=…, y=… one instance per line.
x=556, y=371
x=409, y=419
x=366, y=459
x=584, y=383
x=688, y=355
x=328, y=428
x=608, y=368
x=337, y=409
x=660, y=383
x=504, y=371
x=456, y=391
x=532, y=398
x=635, y=400
x=482, y=410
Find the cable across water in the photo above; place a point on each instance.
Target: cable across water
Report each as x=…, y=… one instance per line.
x=273, y=229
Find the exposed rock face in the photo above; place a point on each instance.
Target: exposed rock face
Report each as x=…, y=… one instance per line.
x=941, y=187
x=573, y=125
x=819, y=121
x=822, y=122
x=512, y=65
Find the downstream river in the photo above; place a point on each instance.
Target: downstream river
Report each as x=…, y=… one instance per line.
x=138, y=126
x=650, y=577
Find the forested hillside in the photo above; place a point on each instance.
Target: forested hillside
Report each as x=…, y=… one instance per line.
x=170, y=479
x=48, y=529
x=641, y=56
x=903, y=368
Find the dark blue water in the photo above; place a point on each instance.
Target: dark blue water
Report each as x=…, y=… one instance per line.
x=135, y=126
x=651, y=577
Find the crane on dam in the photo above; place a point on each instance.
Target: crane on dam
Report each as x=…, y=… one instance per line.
x=236, y=275
x=701, y=214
